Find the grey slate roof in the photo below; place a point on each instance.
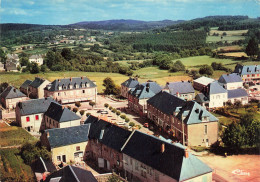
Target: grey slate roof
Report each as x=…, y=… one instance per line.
x=166, y=102
x=169, y=104
x=130, y=83
x=72, y=174
x=180, y=87
x=26, y=84
x=172, y=162
x=247, y=69
x=201, y=98
x=230, y=78
x=80, y=81
x=237, y=93
x=56, y=112
x=145, y=90
x=34, y=106
x=35, y=56
x=11, y=92
x=66, y=136
x=216, y=88
x=112, y=136
x=37, y=82
x=42, y=165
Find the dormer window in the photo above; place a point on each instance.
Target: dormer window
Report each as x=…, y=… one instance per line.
x=81, y=85
x=59, y=87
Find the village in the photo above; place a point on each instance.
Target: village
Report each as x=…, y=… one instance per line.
x=150, y=135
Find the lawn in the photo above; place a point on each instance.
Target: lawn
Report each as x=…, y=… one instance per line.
x=13, y=135
x=12, y=167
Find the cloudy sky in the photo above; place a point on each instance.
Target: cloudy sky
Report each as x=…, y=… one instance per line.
x=72, y=11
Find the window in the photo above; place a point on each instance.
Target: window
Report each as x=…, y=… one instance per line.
x=77, y=148
x=28, y=119
x=136, y=166
x=58, y=94
x=64, y=158
x=36, y=117
x=205, y=129
x=58, y=158
x=83, y=91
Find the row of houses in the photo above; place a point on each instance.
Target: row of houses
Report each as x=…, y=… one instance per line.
x=135, y=155
x=64, y=91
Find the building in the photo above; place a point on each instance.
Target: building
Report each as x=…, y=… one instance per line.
x=140, y=94
x=181, y=89
x=128, y=85
x=25, y=87
x=29, y=114
x=66, y=144
x=71, y=174
x=11, y=65
x=36, y=88
x=36, y=59
x=217, y=95
x=42, y=168
x=12, y=57
x=2, y=67
x=57, y=116
x=105, y=142
x=71, y=90
x=147, y=158
x=231, y=81
x=11, y=96
x=250, y=74
x=201, y=83
x=188, y=121
x=239, y=94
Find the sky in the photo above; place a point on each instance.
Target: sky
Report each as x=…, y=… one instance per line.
x=61, y=12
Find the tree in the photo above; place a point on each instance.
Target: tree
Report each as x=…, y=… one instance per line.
x=2, y=56
x=110, y=86
x=67, y=53
x=92, y=103
x=177, y=66
x=106, y=105
x=132, y=124
x=35, y=68
x=95, y=47
x=123, y=116
x=24, y=61
x=114, y=178
x=113, y=110
x=252, y=47
x=237, y=104
x=118, y=113
x=110, y=107
x=127, y=120
x=206, y=69
x=69, y=107
x=75, y=109
x=77, y=104
x=49, y=59
x=233, y=135
x=81, y=112
x=3, y=86
x=88, y=114
x=43, y=68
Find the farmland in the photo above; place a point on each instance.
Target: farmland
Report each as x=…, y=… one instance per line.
x=230, y=36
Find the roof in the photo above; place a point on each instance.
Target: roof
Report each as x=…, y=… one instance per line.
x=145, y=90
x=166, y=102
x=204, y=80
x=64, y=83
x=56, y=112
x=37, y=82
x=172, y=162
x=12, y=56
x=34, y=106
x=201, y=98
x=247, y=69
x=25, y=84
x=41, y=165
x=35, y=56
x=230, y=78
x=237, y=93
x=108, y=134
x=71, y=174
x=180, y=87
x=11, y=92
x=216, y=88
x=66, y=136
x=130, y=83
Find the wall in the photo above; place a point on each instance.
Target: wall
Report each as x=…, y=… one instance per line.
x=51, y=123
x=217, y=100
x=197, y=135
x=41, y=89
x=124, y=91
x=234, y=85
x=11, y=103
x=33, y=123
x=244, y=100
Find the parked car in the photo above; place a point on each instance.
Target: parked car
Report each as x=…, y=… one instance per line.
x=99, y=111
x=146, y=125
x=104, y=112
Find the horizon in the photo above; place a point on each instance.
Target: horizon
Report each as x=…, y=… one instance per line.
x=64, y=12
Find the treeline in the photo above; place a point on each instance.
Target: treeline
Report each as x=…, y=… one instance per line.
x=170, y=41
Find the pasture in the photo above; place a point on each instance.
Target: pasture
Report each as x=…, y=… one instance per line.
x=231, y=36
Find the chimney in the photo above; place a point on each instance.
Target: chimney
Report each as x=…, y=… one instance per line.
x=70, y=78
x=255, y=68
x=162, y=148
x=82, y=77
x=167, y=83
x=147, y=87
x=182, y=81
x=186, y=153
x=247, y=69
x=48, y=134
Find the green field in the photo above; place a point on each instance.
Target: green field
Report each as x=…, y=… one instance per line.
x=231, y=36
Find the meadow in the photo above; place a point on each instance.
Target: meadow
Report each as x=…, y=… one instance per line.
x=231, y=36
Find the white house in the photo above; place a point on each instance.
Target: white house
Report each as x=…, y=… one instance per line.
x=36, y=59
x=231, y=81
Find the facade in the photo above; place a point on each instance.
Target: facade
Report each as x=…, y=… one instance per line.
x=201, y=83
x=11, y=96
x=29, y=114
x=36, y=88
x=217, y=95
x=189, y=122
x=11, y=65
x=105, y=142
x=231, y=81
x=181, y=89
x=58, y=117
x=239, y=94
x=12, y=56
x=147, y=158
x=250, y=74
x=66, y=144
x=25, y=87
x=2, y=67
x=140, y=94
x=71, y=90
x=128, y=85
x=36, y=59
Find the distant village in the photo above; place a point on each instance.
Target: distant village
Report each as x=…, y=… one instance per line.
x=180, y=111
